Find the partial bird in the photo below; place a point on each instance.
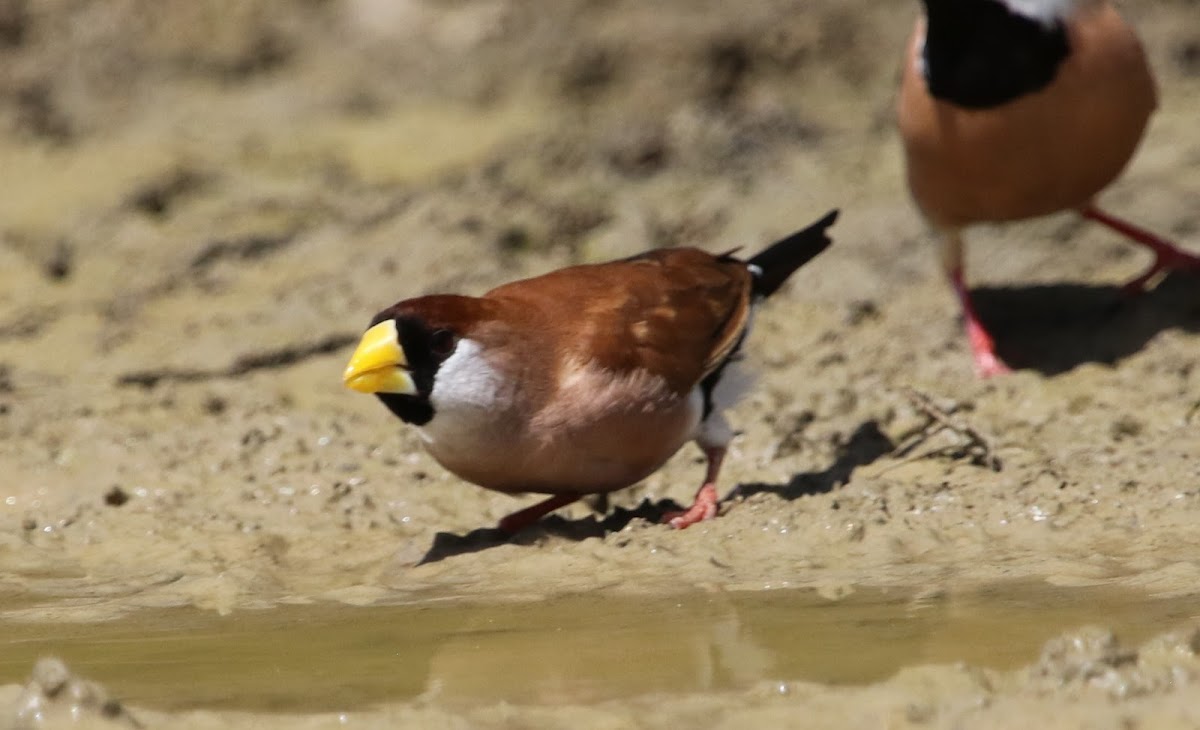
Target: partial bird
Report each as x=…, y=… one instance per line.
x=1012, y=109
x=581, y=381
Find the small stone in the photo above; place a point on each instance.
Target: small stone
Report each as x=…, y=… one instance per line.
x=116, y=496
x=51, y=675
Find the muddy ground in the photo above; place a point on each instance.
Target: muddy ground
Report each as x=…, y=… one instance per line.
x=203, y=203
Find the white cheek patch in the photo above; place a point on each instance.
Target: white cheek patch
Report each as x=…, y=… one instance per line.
x=919, y=60
x=466, y=392
x=465, y=379
x=1045, y=12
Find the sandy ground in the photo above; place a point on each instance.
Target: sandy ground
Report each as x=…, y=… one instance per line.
x=203, y=203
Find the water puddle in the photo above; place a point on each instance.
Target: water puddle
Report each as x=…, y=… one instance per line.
x=572, y=649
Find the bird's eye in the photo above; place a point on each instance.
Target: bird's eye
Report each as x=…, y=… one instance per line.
x=441, y=342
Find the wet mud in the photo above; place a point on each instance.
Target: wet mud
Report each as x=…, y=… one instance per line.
x=202, y=204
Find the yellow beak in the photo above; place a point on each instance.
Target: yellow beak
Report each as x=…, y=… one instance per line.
x=378, y=364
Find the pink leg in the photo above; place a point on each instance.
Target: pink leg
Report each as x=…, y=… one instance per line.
x=983, y=348
x=704, y=506
x=1167, y=256
x=987, y=363
x=521, y=519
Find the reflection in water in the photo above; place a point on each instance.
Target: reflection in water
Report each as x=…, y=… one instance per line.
x=573, y=649
x=583, y=650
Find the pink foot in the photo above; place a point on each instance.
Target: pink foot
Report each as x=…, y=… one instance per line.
x=704, y=507
x=983, y=347
x=521, y=519
x=1167, y=256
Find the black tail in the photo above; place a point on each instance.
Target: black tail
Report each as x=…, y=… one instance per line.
x=777, y=262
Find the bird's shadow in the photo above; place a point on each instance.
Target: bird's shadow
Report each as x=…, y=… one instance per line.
x=448, y=544
x=1048, y=328
x=867, y=444
x=1052, y=328
x=863, y=447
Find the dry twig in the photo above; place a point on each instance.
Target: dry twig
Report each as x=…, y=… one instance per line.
x=970, y=442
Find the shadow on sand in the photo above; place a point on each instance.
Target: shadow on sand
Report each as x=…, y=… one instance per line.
x=1054, y=328
x=1048, y=328
x=864, y=446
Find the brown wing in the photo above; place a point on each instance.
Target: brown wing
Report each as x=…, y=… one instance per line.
x=676, y=313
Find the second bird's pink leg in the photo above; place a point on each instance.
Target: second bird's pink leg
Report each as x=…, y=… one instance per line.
x=983, y=347
x=1167, y=256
